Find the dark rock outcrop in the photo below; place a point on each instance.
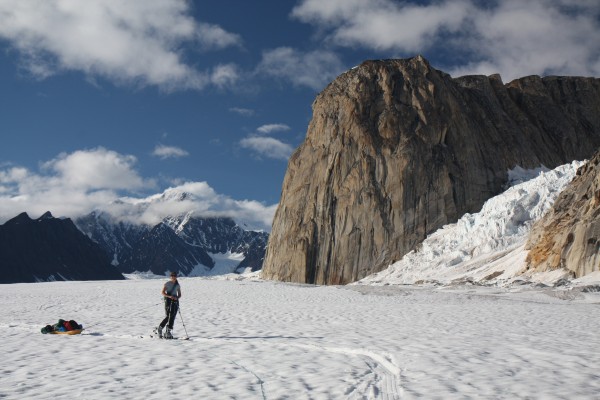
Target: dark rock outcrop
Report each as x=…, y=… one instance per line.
x=568, y=236
x=396, y=149
x=50, y=249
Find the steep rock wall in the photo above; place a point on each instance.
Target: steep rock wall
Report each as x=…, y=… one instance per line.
x=568, y=236
x=396, y=149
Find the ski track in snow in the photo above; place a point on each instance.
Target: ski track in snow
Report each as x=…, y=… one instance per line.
x=267, y=340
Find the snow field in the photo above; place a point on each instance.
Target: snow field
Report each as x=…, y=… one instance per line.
x=266, y=340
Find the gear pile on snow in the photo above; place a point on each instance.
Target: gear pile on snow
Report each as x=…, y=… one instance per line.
x=62, y=326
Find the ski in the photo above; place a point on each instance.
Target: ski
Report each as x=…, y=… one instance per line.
x=162, y=338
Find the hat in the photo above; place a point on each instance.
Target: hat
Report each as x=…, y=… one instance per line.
x=173, y=273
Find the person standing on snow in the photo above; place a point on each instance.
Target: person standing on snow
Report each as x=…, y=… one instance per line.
x=171, y=293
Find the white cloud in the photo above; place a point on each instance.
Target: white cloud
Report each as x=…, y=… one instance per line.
x=13, y=174
x=70, y=184
x=512, y=37
x=313, y=69
x=225, y=75
x=124, y=41
x=383, y=24
x=74, y=184
x=268, y=147
x=538, y=37
x=213, y=36
x=246, y=112
x=165, y=152
x=269, y=128
x=98, y=168
x=201, y=199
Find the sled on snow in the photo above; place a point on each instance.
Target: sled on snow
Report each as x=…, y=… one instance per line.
x=63, y=328
x=73, y=332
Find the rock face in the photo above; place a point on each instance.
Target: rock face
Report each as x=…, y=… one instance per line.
x=396, y=149
x=568, y=236
x=50, y=249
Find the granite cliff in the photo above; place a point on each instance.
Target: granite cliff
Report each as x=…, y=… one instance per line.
x=396, y=149
x=568, y=236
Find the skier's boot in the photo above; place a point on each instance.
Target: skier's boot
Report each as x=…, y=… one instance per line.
x=168, y=334
x=158, y=331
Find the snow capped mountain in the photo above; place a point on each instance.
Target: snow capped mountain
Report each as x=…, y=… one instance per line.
x=488, y=246
x=162, y=233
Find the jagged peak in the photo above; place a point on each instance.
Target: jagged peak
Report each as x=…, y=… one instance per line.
x=19, y=219
x=46, y=215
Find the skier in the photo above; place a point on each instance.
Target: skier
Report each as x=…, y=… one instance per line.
x=171, y=292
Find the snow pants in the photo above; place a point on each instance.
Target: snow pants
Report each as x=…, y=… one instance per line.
x=171, y=307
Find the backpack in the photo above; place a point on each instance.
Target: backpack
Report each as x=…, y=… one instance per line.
x=71, y=325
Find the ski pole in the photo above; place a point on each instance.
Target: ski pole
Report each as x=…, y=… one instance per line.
x=184, y=328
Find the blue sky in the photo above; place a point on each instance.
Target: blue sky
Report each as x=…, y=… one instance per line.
x=101, y=100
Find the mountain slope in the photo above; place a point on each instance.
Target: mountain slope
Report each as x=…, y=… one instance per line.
x=49, y=249
x=183, y=244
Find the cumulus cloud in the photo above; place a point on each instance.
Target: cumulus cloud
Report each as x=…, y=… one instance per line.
x=541, y=37
x=383, y=24
x=126, y=42
x=268, y=147
x=512, y=37
x=70, y=184
x=213, y=36
x=74, y=184
x=197, y=198
x=99, y=168
x=165, y=152
x=269, y=128
x=313, y=69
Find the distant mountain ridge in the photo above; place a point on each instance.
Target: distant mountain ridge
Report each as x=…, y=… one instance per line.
x=50, y=249
x=159, y=234
x=183, y=243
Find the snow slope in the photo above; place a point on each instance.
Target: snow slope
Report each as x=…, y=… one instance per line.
x=266, y=340
x=488, y=246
